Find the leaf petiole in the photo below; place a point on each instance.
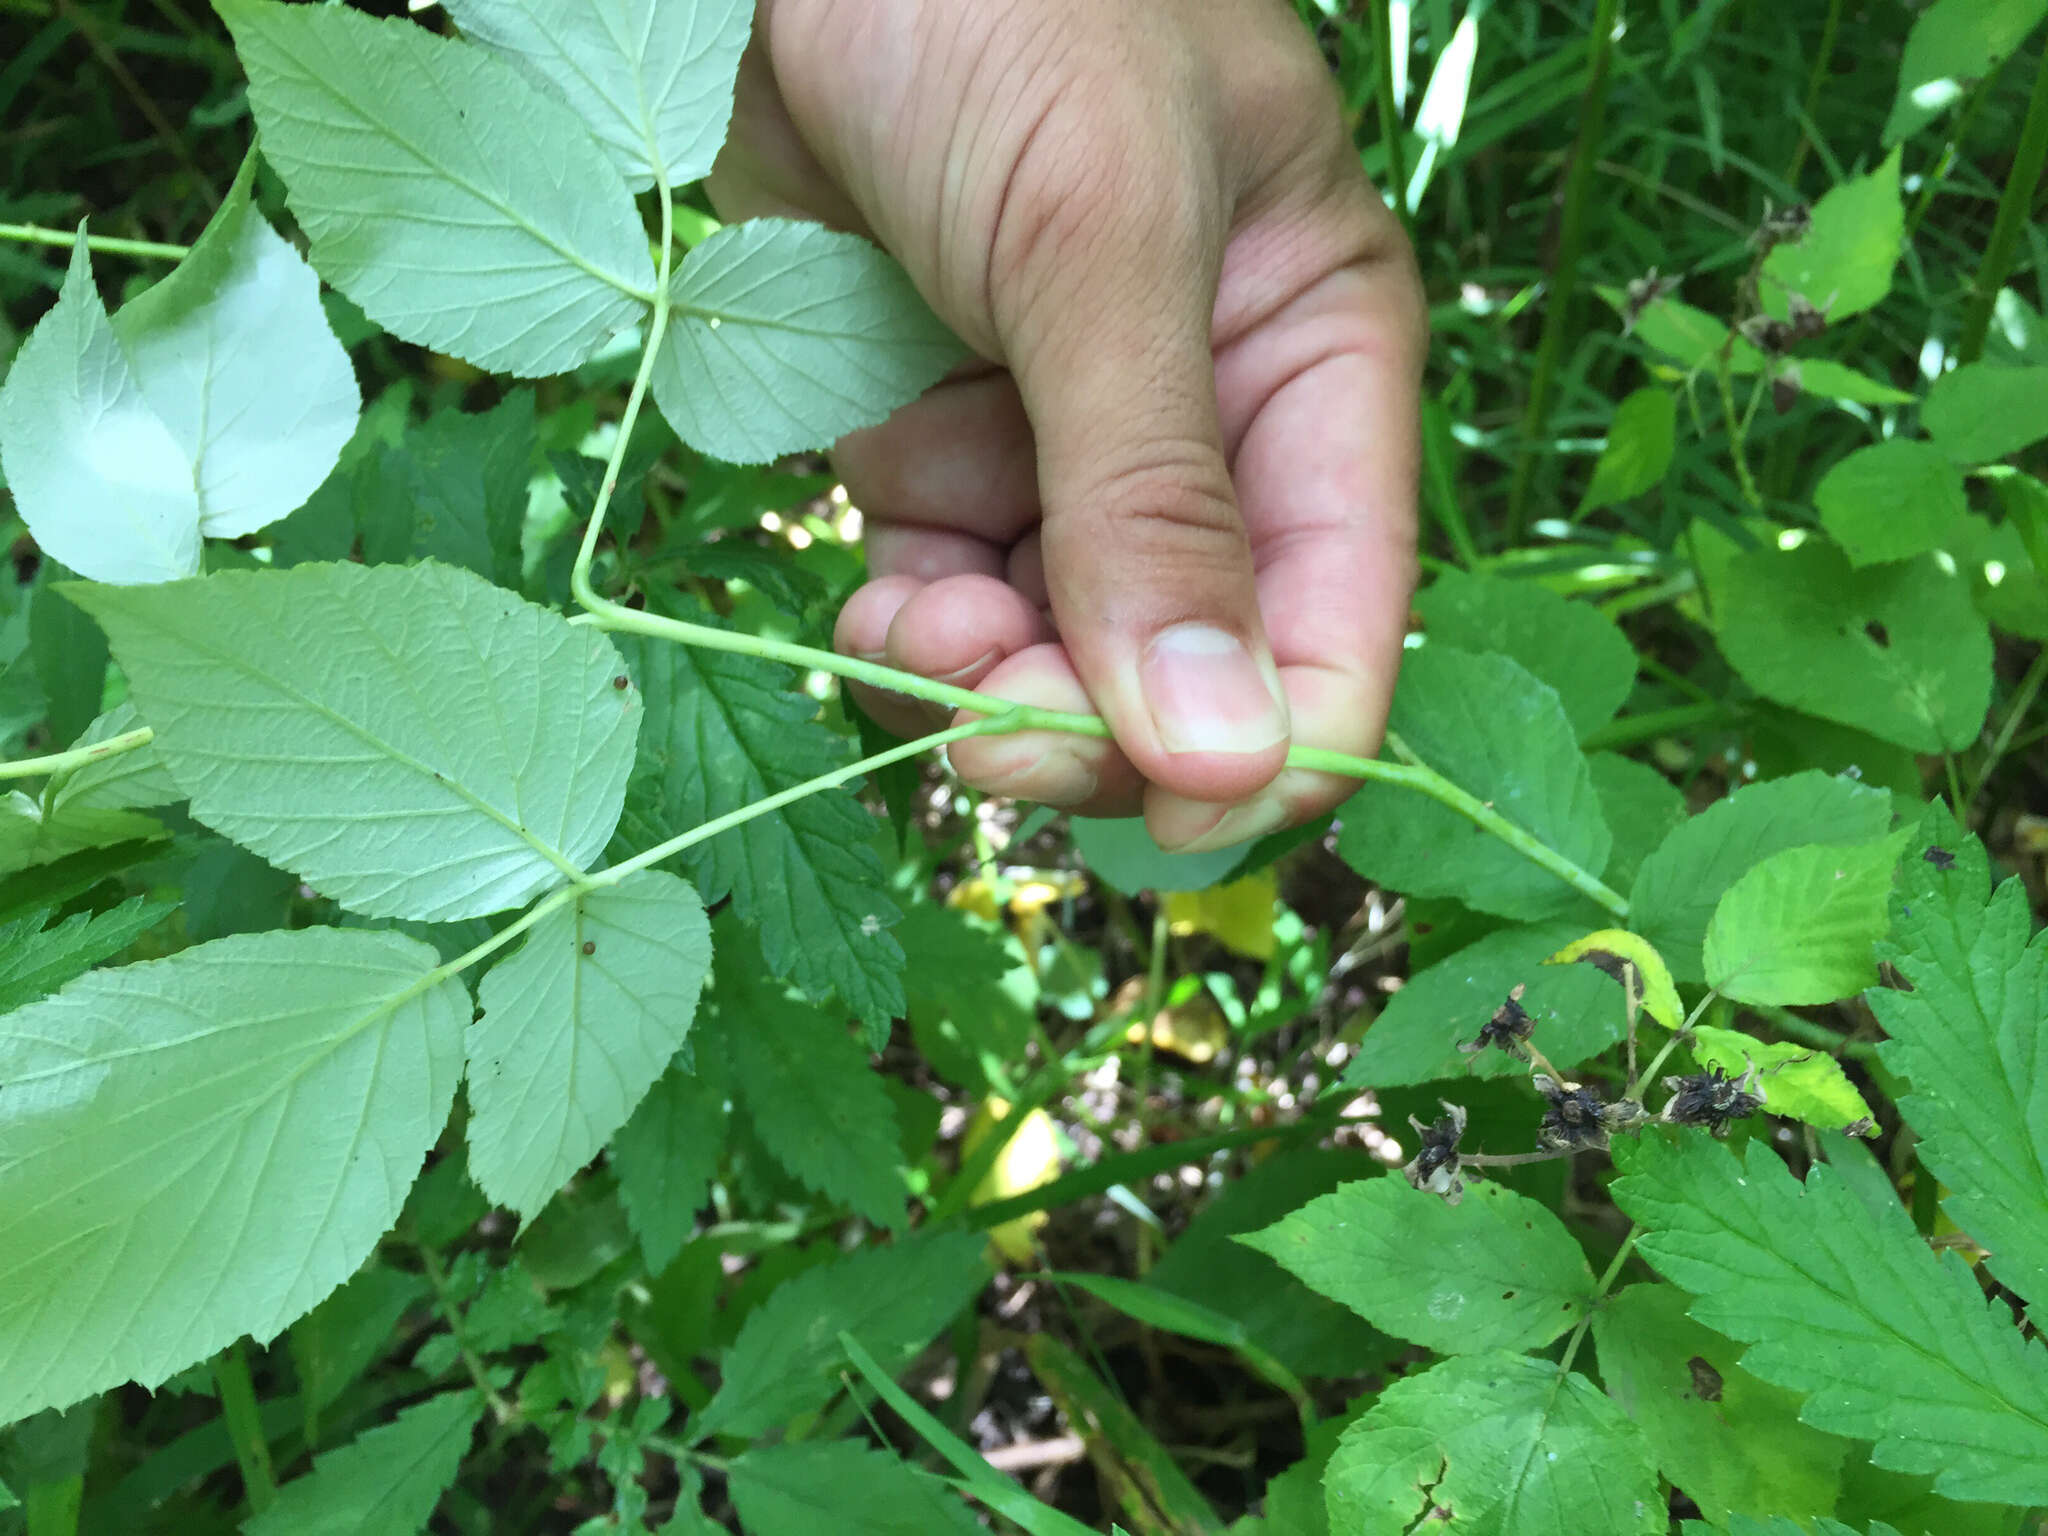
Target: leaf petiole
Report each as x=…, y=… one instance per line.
x=78, y=757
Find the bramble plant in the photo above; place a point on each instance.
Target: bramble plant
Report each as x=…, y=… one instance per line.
x=443, y=790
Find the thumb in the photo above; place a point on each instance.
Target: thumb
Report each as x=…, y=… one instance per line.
x=1147, y=563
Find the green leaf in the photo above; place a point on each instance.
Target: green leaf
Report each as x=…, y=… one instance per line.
x=385, y=1482
x=233, y=353
x=1573, y=647
x=133, y=780
x=1892, y=1501
x=1798, y=1082
x=2005, y=584
x=332, y=1345
x=1972, y=1038
x=1896, y=650
x=1743, y=1525
x=787, y=1358
x=1834, y=381
x=1732, y=1443
x=1306, y=1332
x=1121, y=854
x=962, y=1007
x=1779, y=1266
x=1642, y=808
x=1638, y=451
x=1690, y=337
x=1488, y=726
x=1684, y=880
x=413, y=742
x=653, y=81
x=1171, y=1313
x=665, y=1156
x=786, y=336
x=1502, y=1445
x=722, y=731
x=1891, y=501
x=35, y=961
x=1982, y=411
x=30, y=834
x=1953, y=44
x=1495, y=1271
x=1801, y=926
x=70, y=655
x=7, y=1499
x=454, y=490
x=1578, y=1011
x=851, y=1490
x=94, y=472
x=1844, y=264
x=205, y=1146
x=390, y=138
x=576, y=1027
x=808, y=1088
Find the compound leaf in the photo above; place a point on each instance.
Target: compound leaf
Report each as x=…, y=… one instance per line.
x=1500, y=734
x=787, y=1358
x=836, y=1485
x=722, y=731
x=653, y=80
x=1850, y=1306
x=576, y=1027
x=1493, y=1445
x=459, y=206
x=412, y=741
x=96, y=475
x=385, y=1482
x=1731, y=1442
x=1897, y=650
x=1972, y=1038
x=1800, y=927
x=35, y=961
x=1495, y=1271
x=1573, y=647
x=234, y=354
x=786, y=336
x=808, y=1090
x=1683, y=881
x=205, y=1146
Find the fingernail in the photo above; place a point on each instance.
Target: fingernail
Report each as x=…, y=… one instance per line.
x=1207, y=694
x=1240, y=824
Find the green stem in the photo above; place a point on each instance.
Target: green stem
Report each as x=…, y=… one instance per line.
x=1570, y=245
x=1682, y=1033
x=78, y=757
x=245, y=1426
x=1823, y=58
x=437, y=1277
x=1738, y=445
x=2022, y=702
x=1390, y=113
x=2013, y=208
x=106, y=245
x=1600, y=1289
x=1652, y=723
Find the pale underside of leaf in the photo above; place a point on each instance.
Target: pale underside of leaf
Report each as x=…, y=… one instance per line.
x=202, y=1147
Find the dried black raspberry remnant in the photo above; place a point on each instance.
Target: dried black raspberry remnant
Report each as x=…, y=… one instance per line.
x=1805, y=321
x=1642, y=292
x=1712, y=1098
x=1940, y=858
x=1578, y=1119
x=1785, y=389
x=1508, y=1029
x=1784, y=226
x=1434, y=1168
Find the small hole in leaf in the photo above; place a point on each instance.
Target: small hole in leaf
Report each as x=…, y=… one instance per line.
x=1879, y=635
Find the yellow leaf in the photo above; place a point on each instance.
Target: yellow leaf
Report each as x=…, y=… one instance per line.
x=1609, y=948
x=977, y=894
x=1238, y=915
x=1029, y=1159
x=1797, y=1081
x=1194, y=1030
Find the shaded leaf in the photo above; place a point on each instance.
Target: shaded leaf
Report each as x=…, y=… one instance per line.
x=1639, y=446
x=1573, y=647
x=385, y=1482
x=836, y=1485
x=35, y=961
x=665, y=1156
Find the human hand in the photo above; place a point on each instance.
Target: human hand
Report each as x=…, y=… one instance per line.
x=1179, y=488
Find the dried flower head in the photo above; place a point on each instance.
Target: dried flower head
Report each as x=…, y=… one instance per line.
x=1712, y=1098
x=1509, y=1028
x=1783, y=226
x=1642, y=292
x=1434, y=1168
x=1578, y=1119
